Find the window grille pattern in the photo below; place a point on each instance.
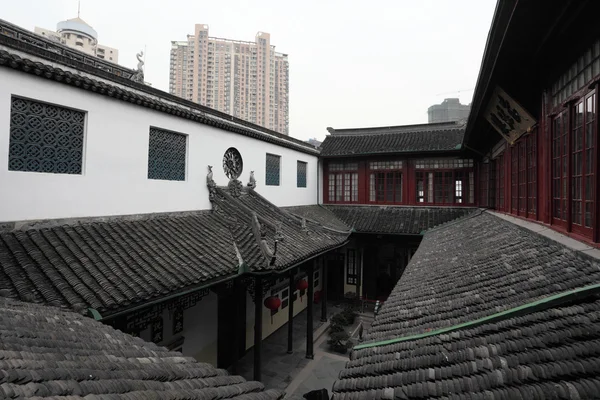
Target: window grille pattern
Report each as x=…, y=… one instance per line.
x=351, y=267
x=522, y=149
x=343, y=166
x=443, y=164
x=301, y=174
x=532, y=174
x=484, y=176
x=500, y=168
x=343, y=187
x=273, y=170
x=445, y=187
x=166, y=155
x=582, y=163
x=578, y=75
x=514, y=178
x=559, y=167
x=385, y=187
x=45, y=138
x=375, y=165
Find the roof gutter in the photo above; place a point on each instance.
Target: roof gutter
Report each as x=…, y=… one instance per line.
x=98, y=317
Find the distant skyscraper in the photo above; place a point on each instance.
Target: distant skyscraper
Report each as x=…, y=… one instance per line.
x=76, y=33
x=449, y=110
x=248, y=80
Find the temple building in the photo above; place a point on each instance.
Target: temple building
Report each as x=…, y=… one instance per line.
x=503, y=303
x=148, y=242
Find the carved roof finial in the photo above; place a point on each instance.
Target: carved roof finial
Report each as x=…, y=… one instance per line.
x=252, y=181
x=209, y=178
x=139, y=72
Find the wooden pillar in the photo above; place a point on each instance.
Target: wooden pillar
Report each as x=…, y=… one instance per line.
x=291, y=290
x=237, y=317
x=309, y=311
x=324, y=292
x=358, y=269
x=258, y=294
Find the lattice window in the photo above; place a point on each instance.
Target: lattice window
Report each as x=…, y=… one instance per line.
x=351, y=267
x=484, y=173
x=166, y=155
x=443, y=164
x=394, y=164
x=532, y=173
x=301, y=174
x=343, y=166
x=514, y=178
x=500, y=182
x=522, y=176
x=273, y=170
x=578, y=75
x=385, y=181
x=559, y=168
x=45, y=138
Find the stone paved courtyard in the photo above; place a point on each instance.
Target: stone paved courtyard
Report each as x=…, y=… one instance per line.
x=294, y=373
x=278, y=367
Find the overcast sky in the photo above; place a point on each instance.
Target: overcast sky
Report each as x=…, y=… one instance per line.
x=352, y=63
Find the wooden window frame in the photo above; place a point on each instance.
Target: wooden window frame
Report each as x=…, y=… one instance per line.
x=351, y=267
x=344, y=181
x=430, y=188
x=560, y=144
x=501, y=182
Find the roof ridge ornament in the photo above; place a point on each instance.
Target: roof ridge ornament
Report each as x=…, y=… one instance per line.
x=252, y=181
x=138, y=76
x=261, y=237
x=212, y=188
x=235, y=187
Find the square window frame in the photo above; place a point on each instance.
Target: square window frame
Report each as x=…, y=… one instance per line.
x=52, y=103
x=187, y=155
x=266, y=158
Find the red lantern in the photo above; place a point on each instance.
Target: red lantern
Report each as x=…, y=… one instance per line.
x=272, y=303
x=302, y=285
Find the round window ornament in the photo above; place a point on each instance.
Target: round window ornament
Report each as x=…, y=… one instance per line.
x=232, y=163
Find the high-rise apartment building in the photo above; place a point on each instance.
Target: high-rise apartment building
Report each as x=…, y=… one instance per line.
x=248, y=80
x=76, y=33
x=449, y=110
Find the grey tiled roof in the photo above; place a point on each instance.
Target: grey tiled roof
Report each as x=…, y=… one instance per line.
x=394, y=140
x=395, y=219
x=320, y=214
x=550, y=354
x=50, y=353
x=298, y=243
x=113, y=264
x=473, y=268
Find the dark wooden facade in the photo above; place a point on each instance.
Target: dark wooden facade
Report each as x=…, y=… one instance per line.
x=389, y=180
x=550, y=174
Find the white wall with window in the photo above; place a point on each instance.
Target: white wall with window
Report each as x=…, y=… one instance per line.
x=114, y=159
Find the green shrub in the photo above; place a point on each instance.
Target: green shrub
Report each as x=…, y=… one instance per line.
x=335, y=328
x=339, y=341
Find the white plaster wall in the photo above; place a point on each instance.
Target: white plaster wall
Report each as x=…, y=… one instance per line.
x=200, y=329
x=114, y=179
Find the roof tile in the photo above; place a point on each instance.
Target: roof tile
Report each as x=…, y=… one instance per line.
x=466, y=270
x=50, y=353
x=394, y=140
